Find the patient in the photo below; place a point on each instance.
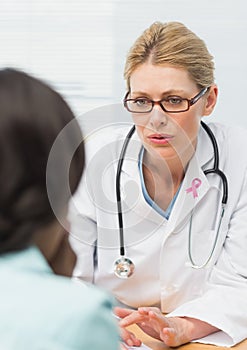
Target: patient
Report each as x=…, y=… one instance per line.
x=40, y=309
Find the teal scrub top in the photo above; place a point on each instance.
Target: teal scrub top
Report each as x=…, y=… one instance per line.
x=40, y=310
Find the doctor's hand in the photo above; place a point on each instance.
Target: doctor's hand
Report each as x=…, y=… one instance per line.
x=129, y=317
x=126, y=336
x=173, y=331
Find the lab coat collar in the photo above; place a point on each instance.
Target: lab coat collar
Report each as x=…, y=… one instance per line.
x=204, y=149
x=130, y=163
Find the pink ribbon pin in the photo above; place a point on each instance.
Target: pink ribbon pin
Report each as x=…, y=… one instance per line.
x=194, y=185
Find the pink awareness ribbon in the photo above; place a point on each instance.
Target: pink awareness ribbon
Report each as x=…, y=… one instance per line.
x=194, y=185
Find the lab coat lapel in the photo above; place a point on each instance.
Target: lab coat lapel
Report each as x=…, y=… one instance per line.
x=195, y=184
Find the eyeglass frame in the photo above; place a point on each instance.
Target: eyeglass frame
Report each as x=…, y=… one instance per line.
x=191, y=102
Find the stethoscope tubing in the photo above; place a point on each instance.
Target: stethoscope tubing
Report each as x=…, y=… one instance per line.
x=214, y=170
x=118, y=189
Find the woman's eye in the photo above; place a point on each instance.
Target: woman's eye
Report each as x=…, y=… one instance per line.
x=141, y=102
x=174, y=100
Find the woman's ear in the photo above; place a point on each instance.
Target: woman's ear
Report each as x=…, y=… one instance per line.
x=211, y=100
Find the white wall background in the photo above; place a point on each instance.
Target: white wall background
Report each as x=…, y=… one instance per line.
x=79, y=46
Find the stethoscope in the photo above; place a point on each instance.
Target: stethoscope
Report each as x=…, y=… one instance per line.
x=124, y=267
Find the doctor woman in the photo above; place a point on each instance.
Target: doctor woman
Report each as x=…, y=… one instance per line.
x=179, y=195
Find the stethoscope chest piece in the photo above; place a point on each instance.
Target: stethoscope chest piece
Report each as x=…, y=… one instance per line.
x=123, y=267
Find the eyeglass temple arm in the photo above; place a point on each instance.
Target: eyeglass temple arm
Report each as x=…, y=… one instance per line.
x=197, y=97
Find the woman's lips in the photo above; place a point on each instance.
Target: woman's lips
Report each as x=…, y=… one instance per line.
x=160, y=139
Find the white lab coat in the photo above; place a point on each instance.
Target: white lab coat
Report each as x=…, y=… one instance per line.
x=159, y=248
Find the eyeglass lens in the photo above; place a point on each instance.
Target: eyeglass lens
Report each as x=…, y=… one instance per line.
x=146, y=105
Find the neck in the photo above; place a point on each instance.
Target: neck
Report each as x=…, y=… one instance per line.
x=172, y=170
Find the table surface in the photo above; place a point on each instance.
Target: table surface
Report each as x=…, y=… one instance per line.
x=158, y=345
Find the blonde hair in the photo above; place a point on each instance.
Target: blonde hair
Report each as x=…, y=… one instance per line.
x=173, y=44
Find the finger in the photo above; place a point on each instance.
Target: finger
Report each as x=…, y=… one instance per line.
x=122, y=312
x=159, y=317
x=129, y=338
x=134, y=317
x=145, y=309
x=169, y=336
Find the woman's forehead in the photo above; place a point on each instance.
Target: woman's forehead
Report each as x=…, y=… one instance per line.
x=160, y=77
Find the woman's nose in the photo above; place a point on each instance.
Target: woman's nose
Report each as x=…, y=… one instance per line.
x=158, y=117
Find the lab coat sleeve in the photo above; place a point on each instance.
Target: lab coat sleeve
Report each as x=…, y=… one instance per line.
x=223, y=303
x=83, y=232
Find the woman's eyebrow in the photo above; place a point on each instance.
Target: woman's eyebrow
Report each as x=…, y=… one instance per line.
x=168, y=92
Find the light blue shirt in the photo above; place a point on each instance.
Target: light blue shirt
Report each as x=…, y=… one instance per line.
x=165, y=213
x=40, y=310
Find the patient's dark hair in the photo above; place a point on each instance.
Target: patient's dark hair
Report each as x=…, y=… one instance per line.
x=32, y=115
